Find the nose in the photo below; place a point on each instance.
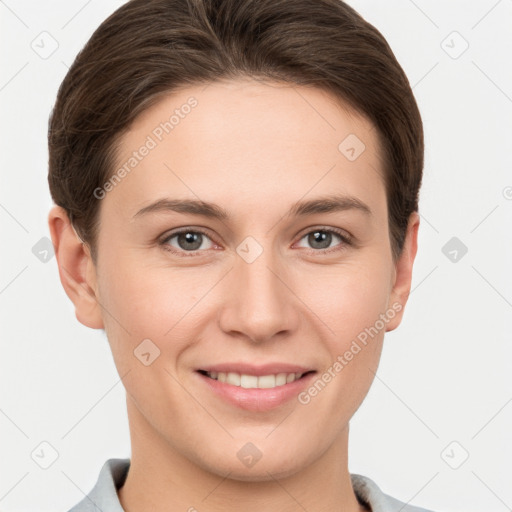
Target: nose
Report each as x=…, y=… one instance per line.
x=258, y=300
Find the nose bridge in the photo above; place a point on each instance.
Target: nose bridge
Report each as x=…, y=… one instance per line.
x=258, y=303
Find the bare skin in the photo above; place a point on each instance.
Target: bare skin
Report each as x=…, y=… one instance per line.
x=254, y=149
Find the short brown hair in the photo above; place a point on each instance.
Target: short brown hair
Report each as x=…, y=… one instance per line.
x=148, y=48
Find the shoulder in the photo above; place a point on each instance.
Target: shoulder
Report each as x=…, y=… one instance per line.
x=103, y=496
x=369, y=493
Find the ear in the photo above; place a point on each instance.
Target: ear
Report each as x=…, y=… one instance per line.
x=76, y=269
x=401, y=284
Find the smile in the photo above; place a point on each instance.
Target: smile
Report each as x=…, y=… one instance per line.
x=257, y=393
x=254, y=381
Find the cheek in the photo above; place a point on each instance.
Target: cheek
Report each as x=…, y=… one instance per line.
x=143, y=300
x=355, y=311
x=161, y=305
x=149, y=320
x=348, y=299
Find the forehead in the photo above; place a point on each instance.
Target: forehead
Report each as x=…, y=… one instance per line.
x=248, y=140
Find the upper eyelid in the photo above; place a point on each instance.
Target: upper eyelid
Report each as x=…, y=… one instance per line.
x=337, y=231
x=179, y=231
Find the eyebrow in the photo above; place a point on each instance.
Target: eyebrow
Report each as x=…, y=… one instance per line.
x=325, y=204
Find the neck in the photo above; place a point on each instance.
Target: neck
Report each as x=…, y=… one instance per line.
x=161, y=479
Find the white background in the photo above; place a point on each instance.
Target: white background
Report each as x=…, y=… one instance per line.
x=446, y=372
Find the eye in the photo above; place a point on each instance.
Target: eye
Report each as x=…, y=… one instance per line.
x=187, y=241
x=190, y=242
x=320, y=239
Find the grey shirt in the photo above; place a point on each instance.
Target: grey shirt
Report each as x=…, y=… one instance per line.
x=103, y=497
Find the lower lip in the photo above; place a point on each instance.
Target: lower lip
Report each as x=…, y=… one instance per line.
x=256, y=399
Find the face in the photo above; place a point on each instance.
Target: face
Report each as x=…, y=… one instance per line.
x=249, y=238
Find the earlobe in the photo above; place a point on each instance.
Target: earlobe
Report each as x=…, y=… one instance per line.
x=76, y=269
x=401, y=286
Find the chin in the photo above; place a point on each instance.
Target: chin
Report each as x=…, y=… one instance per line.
x=260, y=471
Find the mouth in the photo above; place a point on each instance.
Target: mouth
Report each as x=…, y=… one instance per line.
x=246, y=381
x=256, y=388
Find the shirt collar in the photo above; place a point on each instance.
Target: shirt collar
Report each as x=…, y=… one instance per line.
x=104, y=498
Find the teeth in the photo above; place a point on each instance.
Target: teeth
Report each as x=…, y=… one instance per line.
x=233, y=378
x=249, y=381
x=281, y=379
x=253, y=381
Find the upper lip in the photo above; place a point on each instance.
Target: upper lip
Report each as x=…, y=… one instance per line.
x=252, y=369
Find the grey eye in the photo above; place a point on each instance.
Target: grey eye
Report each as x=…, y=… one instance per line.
x=188, y=240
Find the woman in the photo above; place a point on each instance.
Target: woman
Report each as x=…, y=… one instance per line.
x=241, y=178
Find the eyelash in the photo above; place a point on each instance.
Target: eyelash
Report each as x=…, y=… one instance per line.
x=345, y=239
